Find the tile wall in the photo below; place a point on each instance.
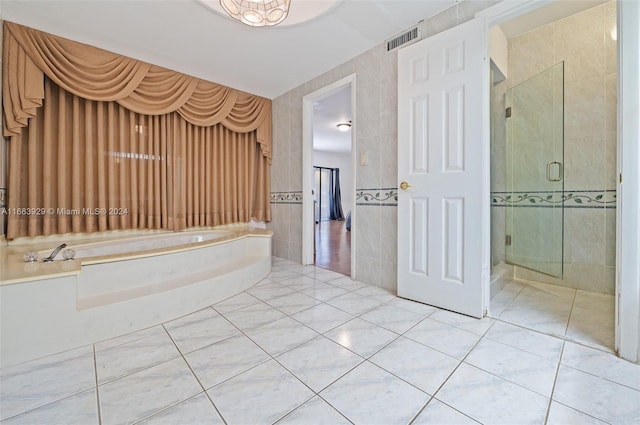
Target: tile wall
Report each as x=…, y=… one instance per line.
x=584, y=42
x=376, y=134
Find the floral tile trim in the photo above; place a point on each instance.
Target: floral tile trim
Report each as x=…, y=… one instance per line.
x=567, y=199
x=286, y=197
x=384, y=196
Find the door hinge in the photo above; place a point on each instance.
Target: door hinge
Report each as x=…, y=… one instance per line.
x=507, y=240
x=507, y=112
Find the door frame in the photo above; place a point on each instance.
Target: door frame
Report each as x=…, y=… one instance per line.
x=627, y=299
x=308, y=220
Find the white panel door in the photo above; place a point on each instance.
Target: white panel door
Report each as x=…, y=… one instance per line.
x=440, y=158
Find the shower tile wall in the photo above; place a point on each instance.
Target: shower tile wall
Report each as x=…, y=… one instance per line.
x=376, y=134
x=584, y=42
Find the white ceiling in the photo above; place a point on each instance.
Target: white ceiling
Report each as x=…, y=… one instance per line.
x=185, y=36
x=328, y=112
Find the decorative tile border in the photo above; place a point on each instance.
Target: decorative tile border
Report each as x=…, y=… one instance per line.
x=3, y=197
x=286, y=197
x=379, y=197
x=568, y=199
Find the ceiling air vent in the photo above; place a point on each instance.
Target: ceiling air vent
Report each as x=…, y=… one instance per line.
x=404, y=38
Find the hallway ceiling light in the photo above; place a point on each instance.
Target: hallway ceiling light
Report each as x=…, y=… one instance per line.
x=257, y=13
x=344, y=126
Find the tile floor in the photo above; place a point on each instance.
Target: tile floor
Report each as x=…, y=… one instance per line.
x=575, y=315
x=308, y=346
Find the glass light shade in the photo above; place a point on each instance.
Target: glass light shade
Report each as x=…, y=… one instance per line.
x=344, y=126
x=257, y=13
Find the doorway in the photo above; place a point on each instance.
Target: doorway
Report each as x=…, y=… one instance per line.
x=333, y=232
x=329, y=177
x=553, y=177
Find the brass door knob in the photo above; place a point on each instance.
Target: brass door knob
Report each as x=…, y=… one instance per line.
x=405, y=185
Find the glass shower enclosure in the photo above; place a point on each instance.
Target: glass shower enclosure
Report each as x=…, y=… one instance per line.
x=535, y=172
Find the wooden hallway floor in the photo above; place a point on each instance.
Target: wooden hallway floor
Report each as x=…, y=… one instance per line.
x=333, y=246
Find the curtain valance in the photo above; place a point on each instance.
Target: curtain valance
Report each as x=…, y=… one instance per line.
x=99, y=75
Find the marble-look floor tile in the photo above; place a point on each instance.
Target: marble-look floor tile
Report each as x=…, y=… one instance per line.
x=254, y=316
x=144, y=393
x=299, y=283
x=130, y=337
x=196, y=410
x=322, y=317
x=469, y=324
x=595, y=302
x=499, y=303
x=374, y=291
x=527, y=340
x=282, y=274
x=236, y=302
x=314, y=412
x=492, y=400
x=282, y=262
x=261, y=395
x=36, y=383
x=282, y=335
x=445, y=338
x=299, y=268
x=559, y=414
x=326, y=275
x=439, y=413
x=597, y=397
x=603, y=365
x=525, y=369
x=592, y=327
x=319, y=362
x=547, y=318
x=361, y=337
x=199, y=329
x=417, y=364
x=125, y=359
x=392, y=318
x=370, y=395
x=292, y=303
x=323, y=291
x=423, y=310
x=353, y=303
x=221, y=361
x=79, y=409
x=541, y=290
x=269, y=291
x=345, y=282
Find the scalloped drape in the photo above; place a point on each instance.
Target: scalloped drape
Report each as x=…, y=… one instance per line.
x=195, y=131
x=96, y=74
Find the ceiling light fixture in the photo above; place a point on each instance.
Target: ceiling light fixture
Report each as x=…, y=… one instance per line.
x=344, y=126
x=257, y=13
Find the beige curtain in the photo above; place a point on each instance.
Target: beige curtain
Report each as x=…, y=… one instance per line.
x=96, y=74
x=107, y=142
x=215, y=157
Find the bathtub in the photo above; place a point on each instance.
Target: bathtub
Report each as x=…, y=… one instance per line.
x=99, y=252
x=121, y=285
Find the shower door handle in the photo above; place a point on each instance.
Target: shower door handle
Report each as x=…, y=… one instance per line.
x=549, y=165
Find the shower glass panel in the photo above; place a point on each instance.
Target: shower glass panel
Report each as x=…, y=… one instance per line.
x=535, y=165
